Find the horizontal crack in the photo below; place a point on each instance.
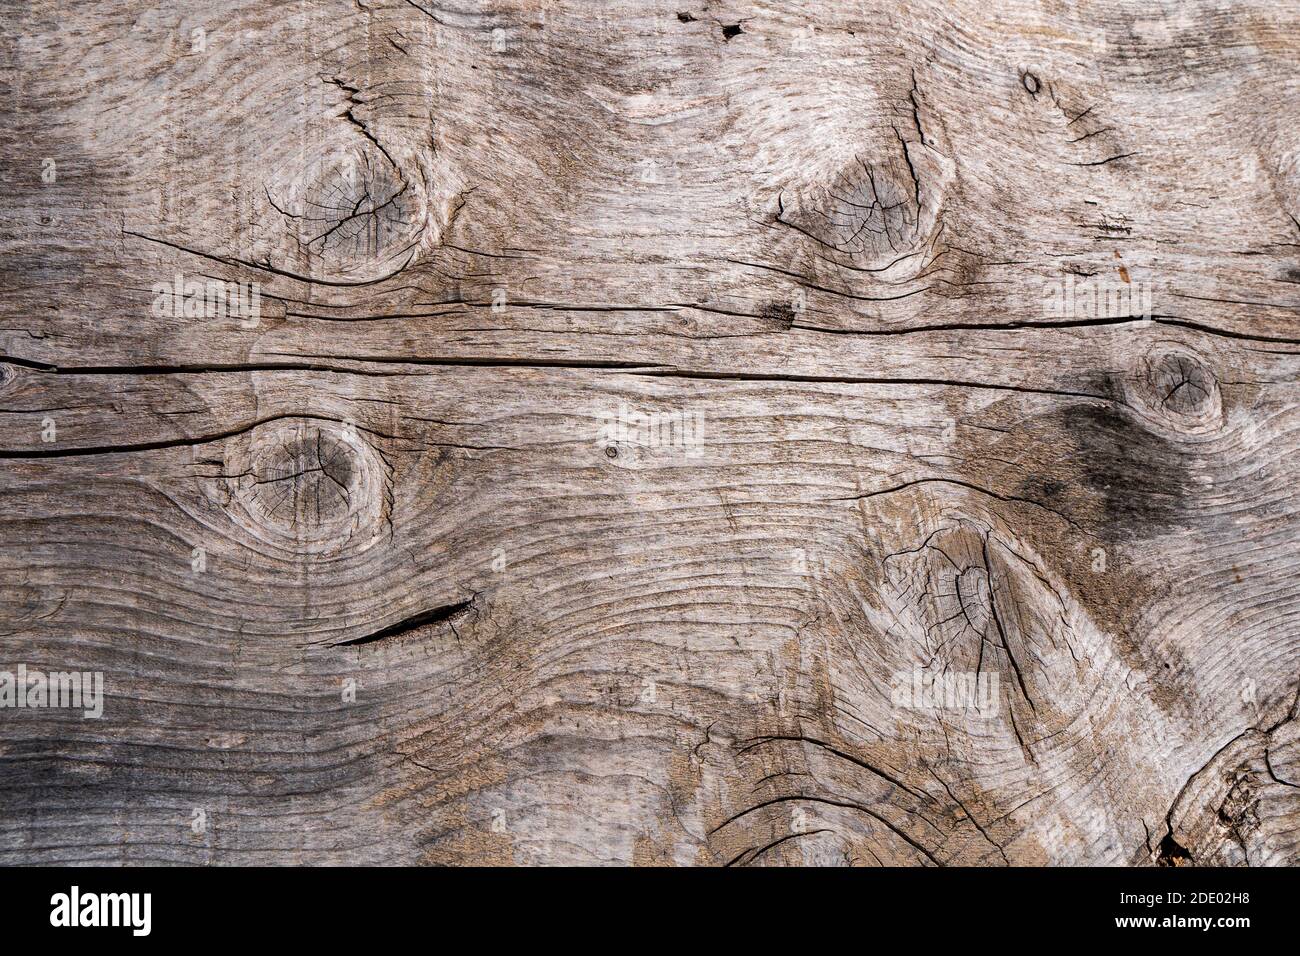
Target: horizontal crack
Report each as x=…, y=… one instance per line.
x=437, y=615
x=173, y=442
x=631, y=368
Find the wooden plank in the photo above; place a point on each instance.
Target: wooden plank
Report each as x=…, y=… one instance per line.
x=772, y=434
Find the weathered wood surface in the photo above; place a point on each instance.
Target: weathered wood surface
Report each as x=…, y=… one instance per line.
x=479, y=231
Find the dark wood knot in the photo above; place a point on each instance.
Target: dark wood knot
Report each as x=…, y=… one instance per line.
x=1180, y=390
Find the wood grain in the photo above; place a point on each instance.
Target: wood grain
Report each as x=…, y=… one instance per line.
x=634, y=393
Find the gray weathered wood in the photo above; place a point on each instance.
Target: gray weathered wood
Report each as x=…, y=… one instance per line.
x=483, y=238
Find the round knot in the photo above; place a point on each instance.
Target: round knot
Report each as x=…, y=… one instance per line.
x=346, y=213
x=1179, y=390
x=317, y=484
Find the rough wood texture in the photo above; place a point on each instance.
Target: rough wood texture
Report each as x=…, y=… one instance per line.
x=401, y=569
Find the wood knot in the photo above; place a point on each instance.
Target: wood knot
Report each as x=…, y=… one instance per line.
x=868, y=212
x=317, y=484
x=350, y=212
x=967, y=589
x=872, y=212
x=1178, y=389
